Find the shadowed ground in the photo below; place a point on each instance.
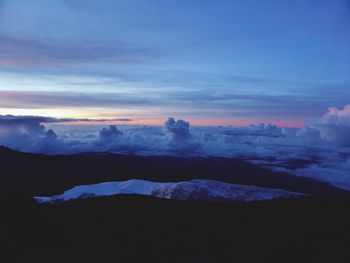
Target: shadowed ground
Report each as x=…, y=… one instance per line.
x=145, y=229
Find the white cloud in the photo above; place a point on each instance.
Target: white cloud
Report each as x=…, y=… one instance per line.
x=320, y=150
x=338, y=173
x=335, y=126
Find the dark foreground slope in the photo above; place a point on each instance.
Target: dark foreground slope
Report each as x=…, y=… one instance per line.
x=50, y=175
x=141, y=229
x=144, y=229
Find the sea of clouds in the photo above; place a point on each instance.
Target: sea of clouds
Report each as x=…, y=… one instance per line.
x=320, y=150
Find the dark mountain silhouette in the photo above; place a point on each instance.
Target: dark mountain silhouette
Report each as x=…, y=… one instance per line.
x=38, y=174
x=145, y=229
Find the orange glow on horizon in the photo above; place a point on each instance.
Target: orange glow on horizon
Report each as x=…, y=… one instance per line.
x=143, y=120
x=160, y=122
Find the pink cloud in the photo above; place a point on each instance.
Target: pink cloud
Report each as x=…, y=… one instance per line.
x=337, y=116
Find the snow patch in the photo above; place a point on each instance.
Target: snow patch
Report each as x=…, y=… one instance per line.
x=208, y=190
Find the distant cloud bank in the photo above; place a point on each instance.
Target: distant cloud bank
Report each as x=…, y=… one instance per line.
x=320, y=150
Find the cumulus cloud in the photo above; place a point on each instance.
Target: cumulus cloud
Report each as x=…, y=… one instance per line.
x=179, y=129
x=181, y=139
x=20, y=132
x=335, y=126
x=109, y=134
x=28, y=133
x=338, y=116
x=47, y=143
x=320, y=150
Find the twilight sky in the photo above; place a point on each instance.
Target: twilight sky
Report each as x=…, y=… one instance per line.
x=209, y=62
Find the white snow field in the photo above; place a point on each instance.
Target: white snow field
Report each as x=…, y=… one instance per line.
x=206, y=190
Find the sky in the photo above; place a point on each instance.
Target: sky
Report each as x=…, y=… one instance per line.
x=221, y=62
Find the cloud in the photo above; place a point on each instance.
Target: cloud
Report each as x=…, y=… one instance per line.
x=64, y=92
x=27, y=52
x=178, y=129
x=20, y=132
x=47, y=143
x=23, y=120
x=335, y=172
x=181, y=140
x=335, y=126
x=310, y=151
x=25, y=99
x=27, y=133
x=110, y=134
x=337, y=116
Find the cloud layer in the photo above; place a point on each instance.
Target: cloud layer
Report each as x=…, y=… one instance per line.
x=320, y=150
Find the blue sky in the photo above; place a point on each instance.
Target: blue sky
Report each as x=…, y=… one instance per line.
x=210, y=62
